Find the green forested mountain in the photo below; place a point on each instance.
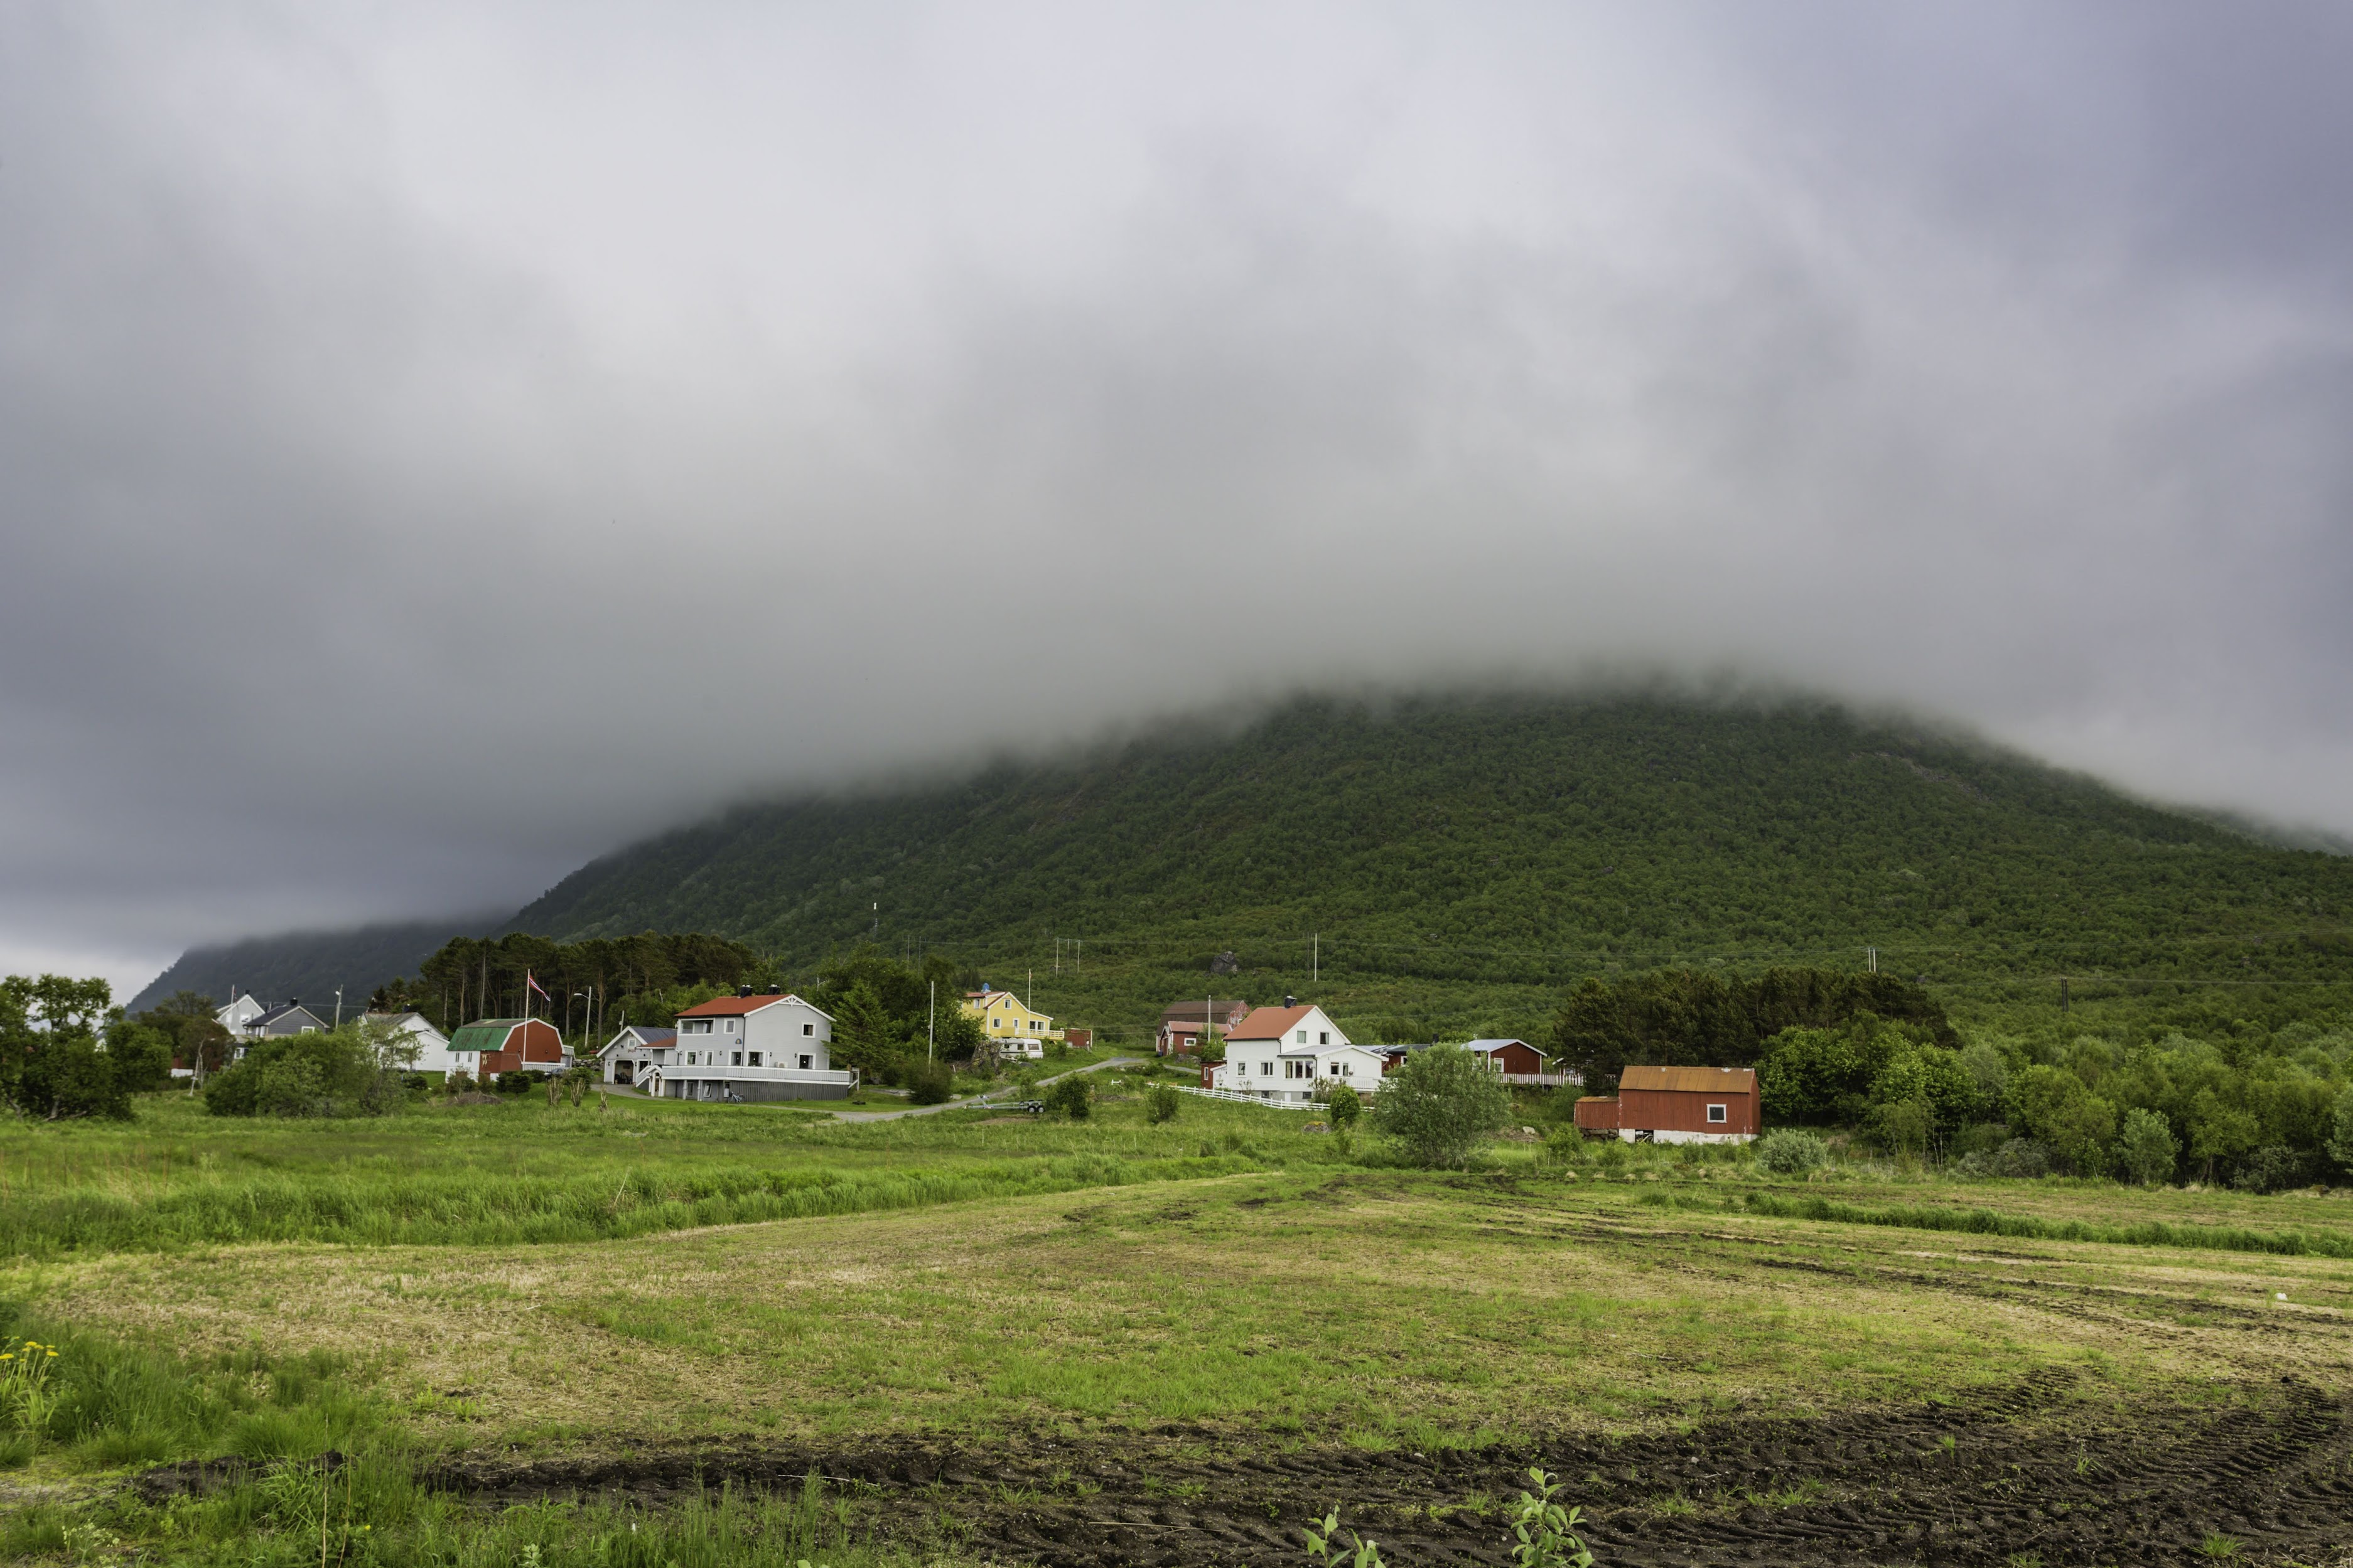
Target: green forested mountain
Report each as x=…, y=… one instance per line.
x=1443, y=864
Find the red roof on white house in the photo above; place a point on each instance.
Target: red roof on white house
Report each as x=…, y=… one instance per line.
x=733, y=1007
x=1269, y=1023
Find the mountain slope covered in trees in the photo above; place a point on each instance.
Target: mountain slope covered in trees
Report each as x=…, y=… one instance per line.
x=1506, y=841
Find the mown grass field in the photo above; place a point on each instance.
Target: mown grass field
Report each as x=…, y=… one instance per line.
x=525, y=1282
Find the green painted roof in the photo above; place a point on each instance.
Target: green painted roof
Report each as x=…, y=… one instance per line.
x=484, y=1034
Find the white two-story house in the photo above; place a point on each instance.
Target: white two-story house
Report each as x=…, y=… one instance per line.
x=747, y=1046
x=1282, y=1054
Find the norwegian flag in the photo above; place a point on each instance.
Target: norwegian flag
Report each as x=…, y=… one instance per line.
x=536, y=985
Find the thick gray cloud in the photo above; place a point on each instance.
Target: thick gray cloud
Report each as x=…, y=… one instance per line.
x=436, y=445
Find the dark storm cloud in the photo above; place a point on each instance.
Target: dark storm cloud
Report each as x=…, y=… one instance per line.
x=435, y=445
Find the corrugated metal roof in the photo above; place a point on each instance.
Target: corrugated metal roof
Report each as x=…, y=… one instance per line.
x=1689, y=1080
x=484, y=1034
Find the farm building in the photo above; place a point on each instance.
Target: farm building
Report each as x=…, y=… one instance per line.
x=1181, y=1025
x=1677, y=1105
x=489, y=1047
x=1520, y=1062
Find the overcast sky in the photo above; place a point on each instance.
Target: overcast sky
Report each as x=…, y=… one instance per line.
x=440, y=443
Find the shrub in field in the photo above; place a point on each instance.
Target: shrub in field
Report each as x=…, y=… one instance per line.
x=2273, y=1168
x=333, y=1073
x=1324, y=1547
x=1347, y=1105
x=2146, y=1149
x=931, y=1084
x=2020, y=1157
x=1071, y=1097
x=1161, y=1104
x=1544, y=1533
x=1441, y=1104
x=1787, y=1152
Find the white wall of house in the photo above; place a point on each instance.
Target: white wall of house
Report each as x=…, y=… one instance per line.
x=433, y=1053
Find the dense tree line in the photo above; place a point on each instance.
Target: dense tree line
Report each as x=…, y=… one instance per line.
x=591, y=986
x=895, y=1022
x=1699, y=1018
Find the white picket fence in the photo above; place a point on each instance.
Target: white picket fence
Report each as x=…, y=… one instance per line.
x=1235, y=1094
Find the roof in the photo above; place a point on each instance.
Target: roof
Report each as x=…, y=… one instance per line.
x=736, y=1006
x=489, y=1034
x=1269, y=1023
x=642, y=1036
x=1689, y=1080
x=281, y=1010
x=398, y=1017
x=1190, y=1011
x=1483, y=1045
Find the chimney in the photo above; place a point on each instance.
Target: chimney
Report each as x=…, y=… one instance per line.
x=775, y=991
x=1289, y=1000
x=743, y=991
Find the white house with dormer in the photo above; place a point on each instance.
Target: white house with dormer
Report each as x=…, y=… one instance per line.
x=768, y=1046
x=1282, y=1054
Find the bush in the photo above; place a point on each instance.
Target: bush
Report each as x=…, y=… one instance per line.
x=1440, y=1103
x=2147, y=1148
x=1161, y=1104
x=1346, y=1106
x=331, y=1073
x=2273, y=1168
x=1070, y=1096
x=931, y=1084
x=1787, y=1152
x=2020, y=1157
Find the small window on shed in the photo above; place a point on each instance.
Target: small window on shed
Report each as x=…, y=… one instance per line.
x=1715, y=1113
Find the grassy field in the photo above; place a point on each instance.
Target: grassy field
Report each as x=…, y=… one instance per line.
x=546, y=1284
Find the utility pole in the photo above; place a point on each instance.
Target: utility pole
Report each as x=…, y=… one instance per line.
x=877, y=920
x=339, y=1006
x=932, y=1025
x=1871, y=957
x=1315, y=957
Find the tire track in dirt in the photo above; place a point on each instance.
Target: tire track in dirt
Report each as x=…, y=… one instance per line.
x=2026, y=1467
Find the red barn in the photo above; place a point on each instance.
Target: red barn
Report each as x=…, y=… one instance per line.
x=492, y=1046
x=1679, y=1105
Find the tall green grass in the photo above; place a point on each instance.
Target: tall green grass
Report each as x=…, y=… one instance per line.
x=1986, y=1222
x=123, y=1401
x=373, y=1510
x=370, y=1207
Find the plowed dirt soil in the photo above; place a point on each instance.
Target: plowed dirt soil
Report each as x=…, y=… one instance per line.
x=2026, y=1469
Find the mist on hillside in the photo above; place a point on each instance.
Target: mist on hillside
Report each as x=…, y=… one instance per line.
x=442, y=446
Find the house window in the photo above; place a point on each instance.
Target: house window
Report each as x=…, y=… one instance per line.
x=694, y=1025
x=755, y=1059
x=804, y=1062
x=1715, y=1113
x=737, y=1062
x=1302, y=1036
x=1266, y=1069
x=1324, y=1037
x=808, y=1028
x=689, y=1058
x=730, y=1026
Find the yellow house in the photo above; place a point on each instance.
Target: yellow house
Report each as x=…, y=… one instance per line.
x=1003, y=1017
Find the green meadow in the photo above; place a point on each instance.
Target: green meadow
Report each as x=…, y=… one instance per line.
x=528, y=1282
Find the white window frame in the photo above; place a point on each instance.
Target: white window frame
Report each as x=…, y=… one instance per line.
x=1716, y=1113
